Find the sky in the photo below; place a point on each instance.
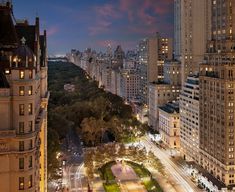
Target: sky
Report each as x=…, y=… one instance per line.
x=81, y=24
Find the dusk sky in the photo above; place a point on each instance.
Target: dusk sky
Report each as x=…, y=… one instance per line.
x=95, y=23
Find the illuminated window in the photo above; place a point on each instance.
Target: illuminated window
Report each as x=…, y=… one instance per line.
x=21, y=90
x=30, y=109
x=7, y=71
x=21, y=163
x=21, y=127
x=30, y=181
x=21, y=183
x=21, y=109
x=30, y=74
x=30, y=91
x=21, y=74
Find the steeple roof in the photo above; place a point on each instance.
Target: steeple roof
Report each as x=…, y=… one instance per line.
x=8, y=36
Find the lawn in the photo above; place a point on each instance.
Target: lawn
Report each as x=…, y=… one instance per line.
x=106, y=172
x=111, y=187
x=140, y=170
x=151, y=185
x=107, y=175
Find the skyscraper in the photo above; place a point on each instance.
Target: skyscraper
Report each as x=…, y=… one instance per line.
x=23, y=104
x=153, y=51
x=217, y=93
x=191, y=31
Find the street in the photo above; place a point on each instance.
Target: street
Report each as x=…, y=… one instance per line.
x=182, y=181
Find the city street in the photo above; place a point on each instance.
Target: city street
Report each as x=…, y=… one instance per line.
x=73, y=170
x=181, y=179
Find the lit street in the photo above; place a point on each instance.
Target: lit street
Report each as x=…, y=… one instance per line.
x=182, y=181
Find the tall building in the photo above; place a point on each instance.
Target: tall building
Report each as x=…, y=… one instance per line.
x=23, y=104
x=189, y=119
x=217, y=93
x=160, y=93
x=153, y=51
x=177, y=29
x=192, y=29
x=129, y=84
x=118, y=59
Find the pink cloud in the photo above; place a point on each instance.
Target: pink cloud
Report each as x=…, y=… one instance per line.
x=52, y=30
x=145, y=17
x=104, y=17
x=101, y=26
x=107, y=10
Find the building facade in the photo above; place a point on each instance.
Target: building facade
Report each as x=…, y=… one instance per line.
x=153, y=51
x=192, y=29
x=169, y=125
x=159, y=95
x=189, y=119
x=217, y=93
x=23, y=104
x=129, y=84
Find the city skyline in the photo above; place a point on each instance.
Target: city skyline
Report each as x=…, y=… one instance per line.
x=98, y=23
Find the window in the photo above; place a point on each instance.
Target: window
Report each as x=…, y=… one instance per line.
x=21, y=145
x=30, y=162
x=21, y=74
x=30, y=109
x=21, y=163
x=30, y=181
x=21, y=90
x=30, y=74
x=21, y=183
x=7, y=71
x=30, y=91
x=21, y=127
x=31, y=144
x=21, y=109
x=30, y=126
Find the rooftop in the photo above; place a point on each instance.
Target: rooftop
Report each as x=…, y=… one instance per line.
x=8, y=36
x=170, y=107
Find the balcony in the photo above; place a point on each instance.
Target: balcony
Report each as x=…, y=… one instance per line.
x=212, y=74
x=45, y=98
x=7, y=134
x=39, y=120
x=4, y=93
x=26, y=135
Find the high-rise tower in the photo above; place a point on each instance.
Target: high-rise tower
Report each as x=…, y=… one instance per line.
x=191, y=31
x=217, y=94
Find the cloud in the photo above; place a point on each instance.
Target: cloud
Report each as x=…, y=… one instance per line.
x=100, y=27
x=52, y=30
x=104, y=16
x=107, y=10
